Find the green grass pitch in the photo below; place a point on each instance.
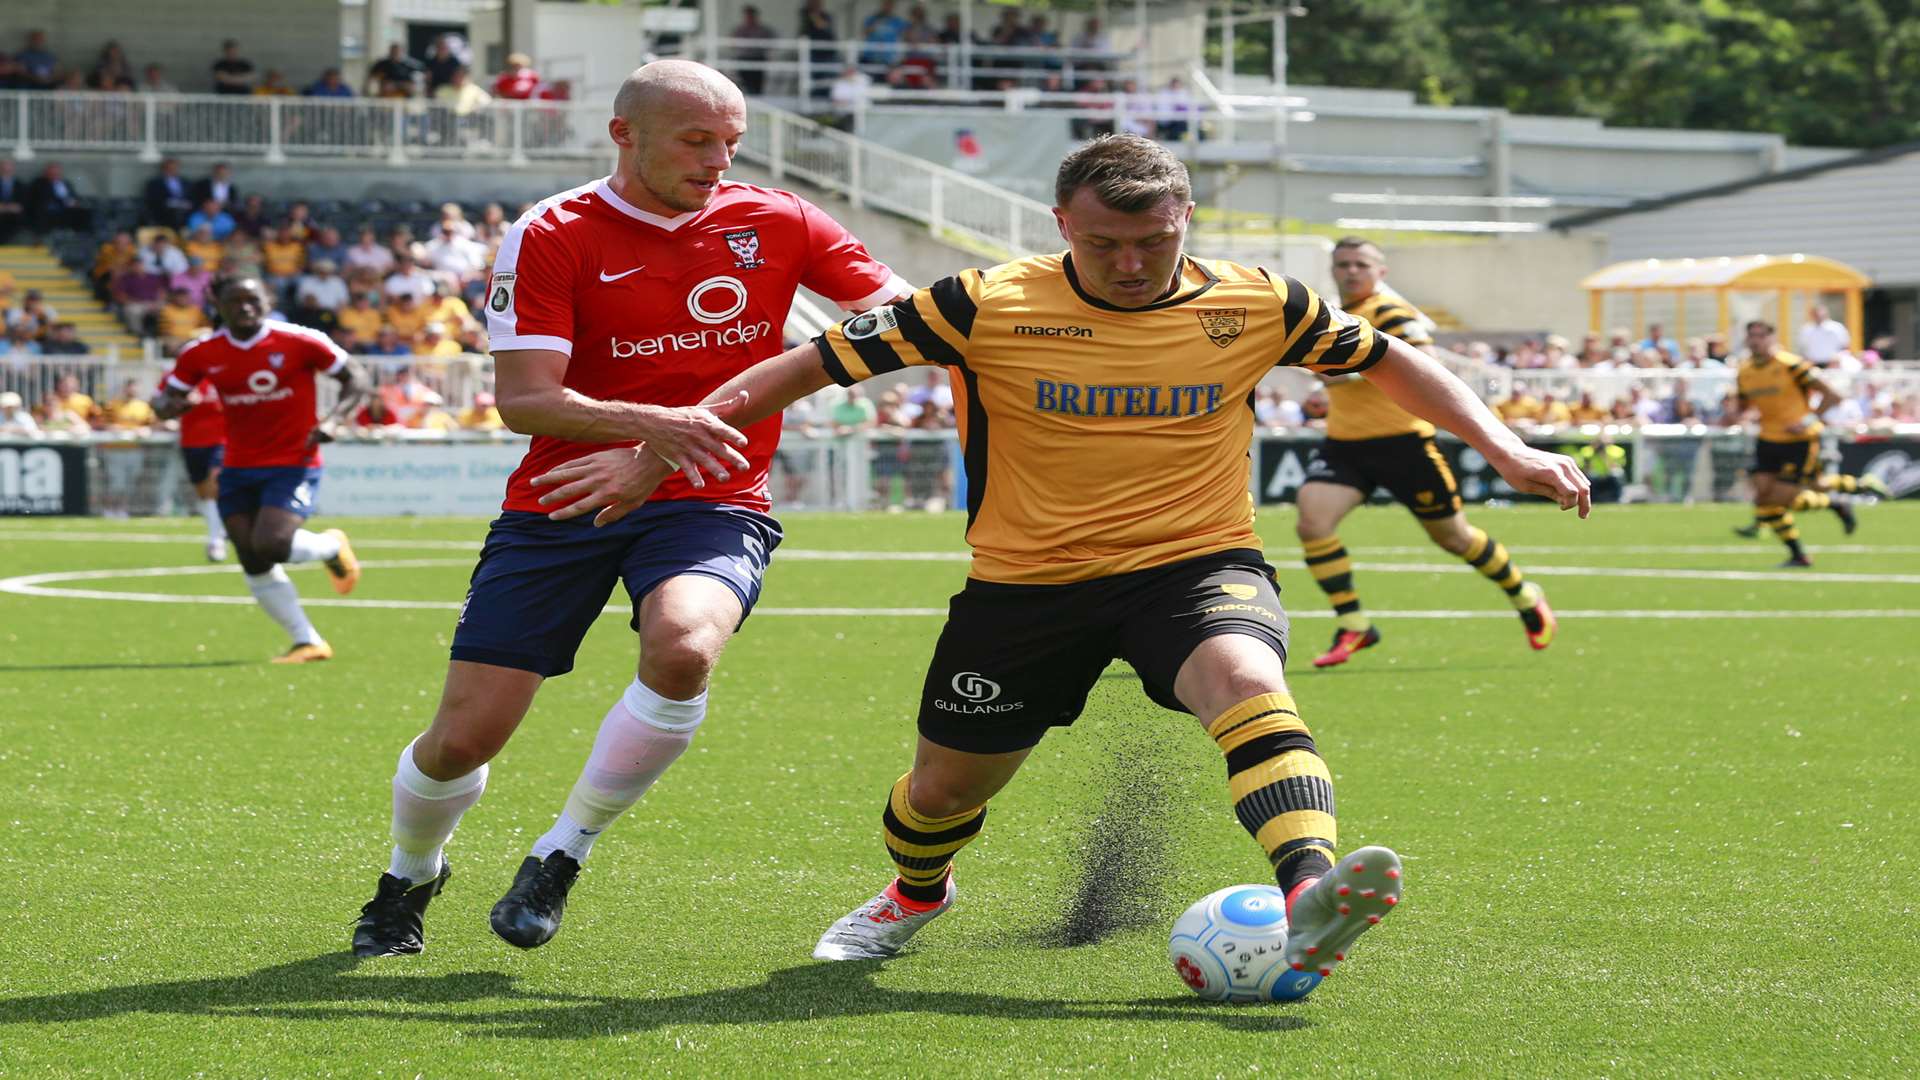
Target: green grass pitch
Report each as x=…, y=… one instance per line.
x=1666, y=846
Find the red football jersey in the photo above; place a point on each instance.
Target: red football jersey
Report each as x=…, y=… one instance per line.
x=266, y=388
x=664, y=310
x=206, y=423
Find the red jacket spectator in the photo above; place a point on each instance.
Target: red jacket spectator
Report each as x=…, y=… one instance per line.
x=519, y=82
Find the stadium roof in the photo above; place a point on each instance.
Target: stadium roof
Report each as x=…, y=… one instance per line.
x=1868, y=157
x=1743, y=272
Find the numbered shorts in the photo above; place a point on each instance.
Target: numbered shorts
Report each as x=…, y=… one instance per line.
x=293, y=488
x=202, y=460
x=1409, y=466
x=540, y=584
x=1015, y=660
x=1798, y=462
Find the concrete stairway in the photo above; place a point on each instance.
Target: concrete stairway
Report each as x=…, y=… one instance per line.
x=33, y=267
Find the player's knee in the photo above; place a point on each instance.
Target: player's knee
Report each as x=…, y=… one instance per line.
x=446, y=753
x=676, y=665
x=1452, y=538
x=272, y=549
x=937, y=795
x=251, y=562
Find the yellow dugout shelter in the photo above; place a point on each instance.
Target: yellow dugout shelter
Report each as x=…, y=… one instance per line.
x=1780, y=276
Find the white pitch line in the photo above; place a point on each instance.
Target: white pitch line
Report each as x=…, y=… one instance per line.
x=42, y=585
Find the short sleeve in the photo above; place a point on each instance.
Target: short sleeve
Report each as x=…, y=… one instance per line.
x=1802, y=374
x=1322, y=338
x=188, y=369
x=530, y=296
x=931, y=327
x=325, y=356
x=1402, y=322
x=839, y=266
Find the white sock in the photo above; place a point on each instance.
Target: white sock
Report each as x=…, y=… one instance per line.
x=642, y=734
x=210, y=513
x=313, y=547
x=425, y=811
x=276, y=594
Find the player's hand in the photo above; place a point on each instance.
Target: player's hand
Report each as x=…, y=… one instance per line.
x=697, y=438
x=321, y=433
x=1555, y=476
x=1799, y=426
x=613, y=482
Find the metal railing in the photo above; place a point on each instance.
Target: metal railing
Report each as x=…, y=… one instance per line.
x=802, y=67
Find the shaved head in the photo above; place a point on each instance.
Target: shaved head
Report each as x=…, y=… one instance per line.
x=675, y=87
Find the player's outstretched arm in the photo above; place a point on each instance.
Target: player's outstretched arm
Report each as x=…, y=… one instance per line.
x=614, y=482
x=1421, y=386
x=530, y=391
x=169, y=402
x=356, y=388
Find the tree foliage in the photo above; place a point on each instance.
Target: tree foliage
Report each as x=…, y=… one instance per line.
x=1820, y=72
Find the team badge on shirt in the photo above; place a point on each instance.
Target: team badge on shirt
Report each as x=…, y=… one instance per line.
x=871, y=324
x=500, y=295
x=745, y=246
x=275, y=360
x=1222, y=325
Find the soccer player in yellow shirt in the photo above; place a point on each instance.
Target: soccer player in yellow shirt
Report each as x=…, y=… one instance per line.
x=1105, y=402
x=1374, y=443
x=1789, y=398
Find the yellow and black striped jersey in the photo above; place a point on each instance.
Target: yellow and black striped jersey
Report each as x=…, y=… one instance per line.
x=1100, y=440
x=1357, y=409
x=1777, y=386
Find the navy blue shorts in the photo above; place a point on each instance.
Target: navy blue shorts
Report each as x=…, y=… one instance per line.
x=540, y=583
x=202, y=460
x=293, y=488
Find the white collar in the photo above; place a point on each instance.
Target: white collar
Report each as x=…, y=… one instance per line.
x=605, y=191
x=250, y=342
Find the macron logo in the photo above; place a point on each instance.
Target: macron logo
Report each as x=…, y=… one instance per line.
x=604, y=276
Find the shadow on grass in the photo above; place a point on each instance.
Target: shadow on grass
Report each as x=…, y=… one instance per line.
x=335, y=986
x=128, y=666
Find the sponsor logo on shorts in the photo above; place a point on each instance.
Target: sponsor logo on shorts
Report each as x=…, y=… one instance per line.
x=1240, y=592
x=1254, y=608
x=981, y=694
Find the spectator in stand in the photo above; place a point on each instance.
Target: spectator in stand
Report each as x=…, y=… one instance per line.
x=455, y=218
x=212, y=220
x=443, y=64
x=251, y=218
x=389, y=343
x=326, y=244
x=1658, y=341
x=751, y=76
x=52, y=202
x=232, y=73
x=849, y=94
x=13, y=201
x=74, y=400
x=196, y=282
x=218, y=187
x=853, y=413
x=64, y=340
x=1092, y=38
x=1591, y=350
x=1096, y=98
x=447, y=307
x=408, y=279
x=368, y=256
x=434, y=344
x=881, y=32
x=20, y=343
x=1717, y=347
x=166, y=200
x=376, y=414
x=454, y=257
x=1823, y=337
x=33, y=314
x=300, y=224
x=816, y=25
x=16, y=420
x=1586, y=412
x=243, y=256
x=1041, y=35
x=284, y=257
x=1173, y=110
x=39, y=68
x=153, y=80
x=129, y=411
x=395, y=75
x=493, y=225
x=360, y=319
x=111, y=72
x=56, y=417
x=462, y=94
x=1553, y=412
x=482, y=415
x=1555, y=356
x=406, y=316
x=518, y=81
x=274, y=84
x=162, y=257
x=328, y=85
x=319, y=294
x=11, y=76
x=137, y=293
x=179, y=320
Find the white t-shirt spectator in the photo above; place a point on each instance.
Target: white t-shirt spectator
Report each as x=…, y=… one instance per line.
x=849, y=92
x=328, y=292
x=164, y=259
x=457, y=255
x=1822, y=341
x=375, y=257
x=415, y=282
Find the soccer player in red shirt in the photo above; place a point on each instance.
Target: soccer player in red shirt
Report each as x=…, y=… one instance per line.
x=203, y=445
x=613, y=309
x=263, y=370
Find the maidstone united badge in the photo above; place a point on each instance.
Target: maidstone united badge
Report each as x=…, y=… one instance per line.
x=745, y=246
x=1222, y=325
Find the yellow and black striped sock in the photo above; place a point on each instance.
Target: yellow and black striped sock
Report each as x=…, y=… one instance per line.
x=1281, y=790
x=1332, y=569
x=1489, y=556
x=1840, y=482
x=923, y=847
x=1812, y=500
x=1781, y=522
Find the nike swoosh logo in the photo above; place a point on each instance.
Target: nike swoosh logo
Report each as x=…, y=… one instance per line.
x=604, y=276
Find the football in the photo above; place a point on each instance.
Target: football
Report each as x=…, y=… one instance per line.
x=1230, y=946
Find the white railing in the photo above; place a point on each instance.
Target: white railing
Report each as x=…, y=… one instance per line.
x=952, y=205
x=455, y=380
x=801, y=68
x=280, y=129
